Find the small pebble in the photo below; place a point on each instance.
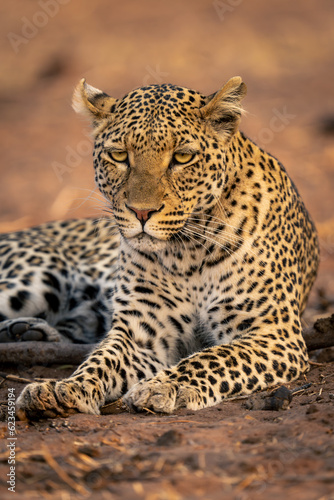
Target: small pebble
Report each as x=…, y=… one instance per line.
x=170, y=438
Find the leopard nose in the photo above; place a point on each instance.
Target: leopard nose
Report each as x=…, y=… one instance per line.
x=144, y=215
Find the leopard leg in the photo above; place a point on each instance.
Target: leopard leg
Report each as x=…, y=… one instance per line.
x=139, y=345
x=110, y=370
x=207, y=378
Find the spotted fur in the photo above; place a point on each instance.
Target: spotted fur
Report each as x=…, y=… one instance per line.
x=56, y=281
x=217, y=255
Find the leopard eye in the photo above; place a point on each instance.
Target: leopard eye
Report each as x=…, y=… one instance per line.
x=183, y=157
x=120, y=156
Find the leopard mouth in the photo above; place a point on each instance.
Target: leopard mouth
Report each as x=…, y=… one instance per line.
x=147, y=243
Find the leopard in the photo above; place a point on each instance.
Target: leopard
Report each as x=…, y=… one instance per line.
x=194, y=283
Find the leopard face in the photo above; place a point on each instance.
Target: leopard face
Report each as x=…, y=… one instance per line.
x=156, y=155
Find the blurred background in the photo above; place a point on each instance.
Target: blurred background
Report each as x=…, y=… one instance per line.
x=283, y=50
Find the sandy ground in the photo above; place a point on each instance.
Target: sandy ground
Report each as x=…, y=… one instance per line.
x=284, y=52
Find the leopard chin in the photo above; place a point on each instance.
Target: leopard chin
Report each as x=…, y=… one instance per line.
x=146, y=243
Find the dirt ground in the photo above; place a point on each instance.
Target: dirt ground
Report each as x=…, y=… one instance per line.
x=284, y=52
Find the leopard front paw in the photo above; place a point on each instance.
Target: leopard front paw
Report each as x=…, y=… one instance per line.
x=52, y=399
x=163, y=396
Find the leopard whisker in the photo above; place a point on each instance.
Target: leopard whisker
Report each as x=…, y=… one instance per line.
x=196, y=233
x=196, y=242
x=220, y=235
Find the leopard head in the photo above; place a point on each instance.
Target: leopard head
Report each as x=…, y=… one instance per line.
x=159, y=154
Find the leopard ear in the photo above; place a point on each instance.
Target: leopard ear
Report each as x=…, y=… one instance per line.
x=223, y=109
x=92, y=102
